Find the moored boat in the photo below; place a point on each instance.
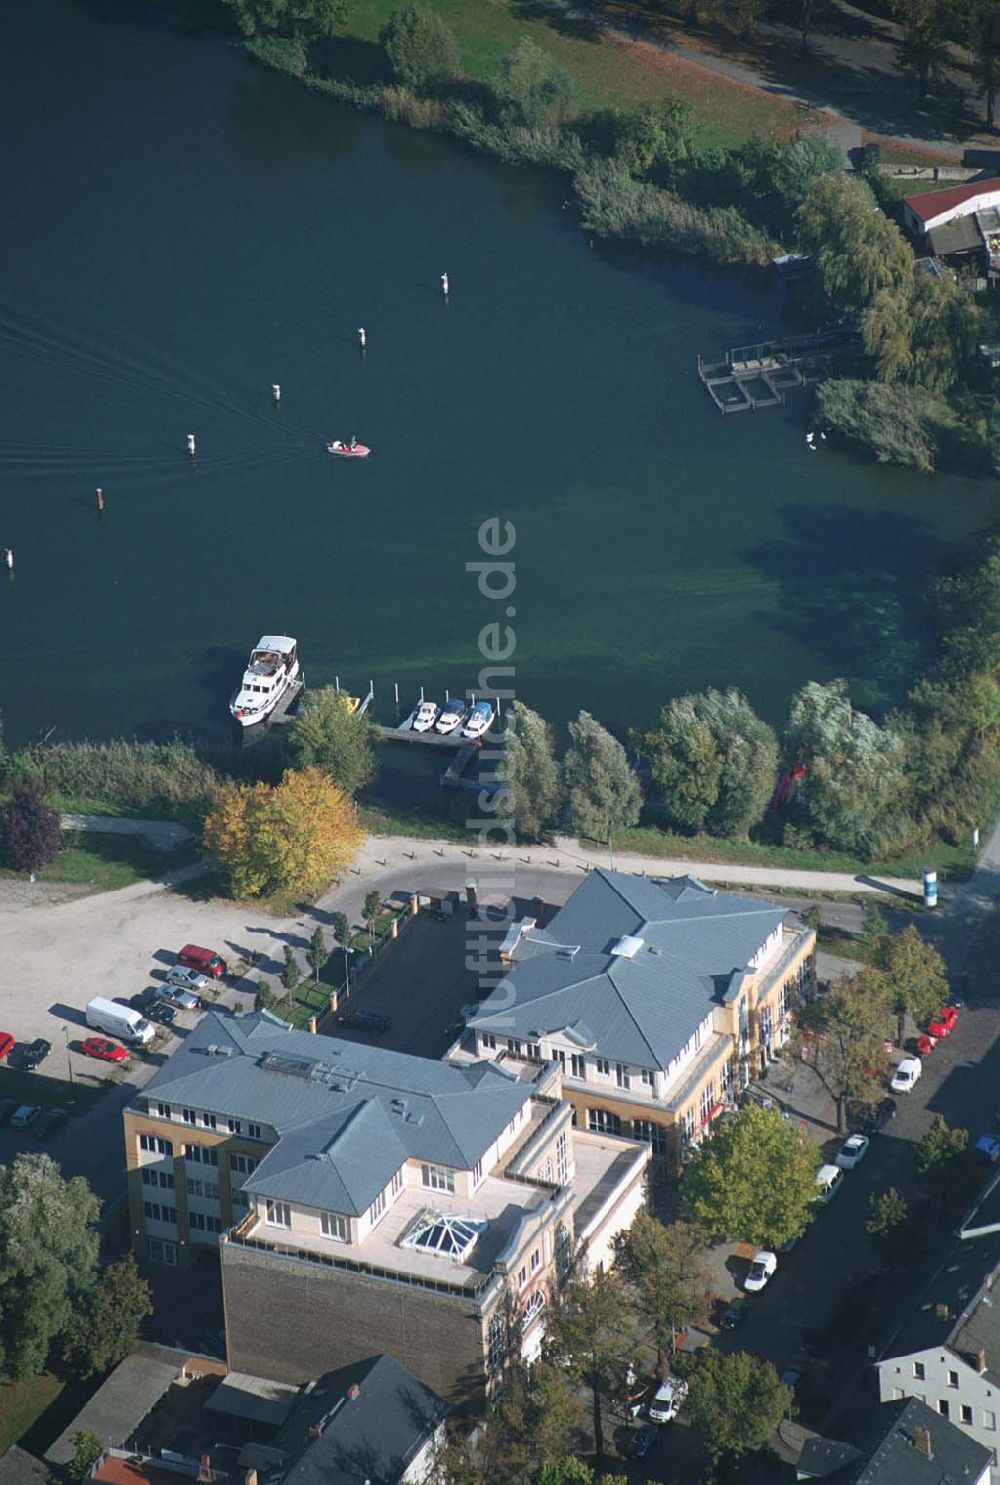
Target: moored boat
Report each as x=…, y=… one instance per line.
x=425, y=717
x=479, y=720
x=453, y=714
x=272, y=668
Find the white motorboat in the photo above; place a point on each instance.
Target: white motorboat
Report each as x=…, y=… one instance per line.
x=426, y=716
x=272, y=668
x=453, y=714
x=480, y=719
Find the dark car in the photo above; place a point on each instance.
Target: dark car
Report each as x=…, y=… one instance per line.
x=48, y=1121
x=7, y=1108
x=145, y=999
x=641, y=1442
x=162, y=1011
x=365, y=1020
x=868, y=1118
x=733, y=1315
x=28, y=1055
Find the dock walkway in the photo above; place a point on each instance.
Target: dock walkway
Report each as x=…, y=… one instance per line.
x=753, y=376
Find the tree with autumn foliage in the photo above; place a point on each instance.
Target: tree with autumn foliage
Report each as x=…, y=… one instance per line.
x=841, y=1037
x=291, y=837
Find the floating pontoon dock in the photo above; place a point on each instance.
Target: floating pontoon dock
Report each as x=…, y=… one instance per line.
x=753, y=376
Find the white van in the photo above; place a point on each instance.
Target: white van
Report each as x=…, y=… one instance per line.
x=119, y=1020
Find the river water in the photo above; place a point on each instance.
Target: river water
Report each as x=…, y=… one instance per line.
x=181, y=230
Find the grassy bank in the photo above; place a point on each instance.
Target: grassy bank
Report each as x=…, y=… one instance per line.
x=104, y=863
x=23, y=1403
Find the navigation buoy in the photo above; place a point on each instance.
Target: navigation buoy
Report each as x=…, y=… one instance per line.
x=445, y=286
x=8, y=558
x=362, y=337
x=190, y=443
x=99, y=498
x=276, y=391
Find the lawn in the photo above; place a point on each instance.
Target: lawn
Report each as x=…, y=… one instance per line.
x=22, y=1404
x=608, y=69
x=106, y=862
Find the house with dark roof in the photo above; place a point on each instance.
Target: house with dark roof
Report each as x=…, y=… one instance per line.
x=658, y=1000
x=364, y=1200
x=901, y=1443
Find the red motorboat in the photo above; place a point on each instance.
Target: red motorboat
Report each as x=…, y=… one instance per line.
x=352, y=450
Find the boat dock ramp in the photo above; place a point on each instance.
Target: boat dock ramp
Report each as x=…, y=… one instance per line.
x=753, y=376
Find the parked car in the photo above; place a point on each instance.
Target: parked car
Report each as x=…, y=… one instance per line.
x=48, y=1121
x=829, y=1179
x=761, y=1269
x=163, y=1012
x=365, y=1020
x=904, y=1079
x=987, y=1147
x=205, y=961
x=641, y=1442
x=103, y=1049
x=925, y=1044
x=866, y=1118
x=188, y=979
x=852, y=1151
x=733, y=1315
x=28, y=1055
x=145, y=999
x=24, y=1116
x=667, y=1400
x=184, y=1000
x=943, y=1024
x=6, y=1044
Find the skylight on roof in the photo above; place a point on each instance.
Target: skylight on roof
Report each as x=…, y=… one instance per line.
x=627, y=946
x=449, y=1237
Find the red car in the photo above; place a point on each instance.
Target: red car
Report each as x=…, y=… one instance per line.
x=926, y=1044
x=943, y=1024
x=103, y=1050
x=6, y=1044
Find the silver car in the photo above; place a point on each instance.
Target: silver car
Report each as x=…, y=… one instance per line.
x=187, y=979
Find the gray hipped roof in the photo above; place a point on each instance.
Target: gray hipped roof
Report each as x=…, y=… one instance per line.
x=641, y=1006
x=903, y=1442
x=347, y=1115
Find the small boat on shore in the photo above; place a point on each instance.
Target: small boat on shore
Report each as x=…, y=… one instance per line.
x=352, y=450
x=272, y=668
x=480, y=719
x=453, y=714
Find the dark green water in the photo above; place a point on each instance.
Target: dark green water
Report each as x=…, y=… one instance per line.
x=181, y=230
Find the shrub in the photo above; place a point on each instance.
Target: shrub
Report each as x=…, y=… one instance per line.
x=900, y=424
x=126, y=775
x=421, y=49
x=30, y=833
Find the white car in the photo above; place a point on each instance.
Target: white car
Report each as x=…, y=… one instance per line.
x=188, y=979
x=906, y=1074
x=829, y=1179
x=852, y=1151
x=427, y=715
x=667, y=1402
x=762, y=1268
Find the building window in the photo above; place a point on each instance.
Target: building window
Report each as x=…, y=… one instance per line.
x=533, y=1051
x=602, y=1121
x=438, y=1178
x=396, y=1184
x=153, y=1143
x=208, y=1120
x=333, y=1225
x=726, y=1078
x=522, y=1277
x=648, y=1077
x=278, y=1214
x=244, y=1164
x=621, y=1075
x=533, y=1308
x=953, y=1379
x=578, y=1066
x=201, y=1154
x=487, y=1041
x=477, y=1174
x=161, y=1178
x=707, y=1102
x=160, y=1252
x=918, y=1371
x=235, y=1126
x=765, y=1025
x=650, y=1134
x=535, y=1261
x=559, y=1056
x=943, y=1407
x=989, y=1420
x=377, y=1208
x=966, y=1413
x=602, y=1066
x=163, y=1109
x=497, y=1347
x=564, y=1253
x=687, y=1125
x=514, y=1046
x=159, y=1212
x=203, y=1222
x=253, y=1131
x=189, y=1116
x=562, y=1158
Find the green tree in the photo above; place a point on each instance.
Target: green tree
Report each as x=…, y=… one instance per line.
x=317, y=953
x=981, y=27
x=857, y=249
x=105, y=1326
x=888, y=1220
x=855, y=779
x=30, y=833
x=291, y=975
x=307, y=19
x=841, y=1037
x=531, y=778
x=531, y=89
x=664, y=1269
x=540, y=1415
x=658, y=133
x=715, y=760
x=331, y=735
x=993, y=436
x=734, y=1403
x=944, y=1160
x=87, y=1450
x=48, y=1258
x=754, y=1180
x=807, y=157
x=922, y=332
x=340, y=926
x=421, y=48
x=371, y=909
x=602, y=792
x=914, y=975
x=923, y=44
x=591, y=1332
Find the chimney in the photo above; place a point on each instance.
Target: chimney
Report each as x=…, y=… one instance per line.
x=315, y=1432
x=354, y=1391
x=205, y=1469
x=538, y=908
x=312, y=1025
x=981, y=1360
x=250, y=1478
x=922, y=1441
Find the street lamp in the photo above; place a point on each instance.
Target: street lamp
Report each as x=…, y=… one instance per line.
x=69, y=1058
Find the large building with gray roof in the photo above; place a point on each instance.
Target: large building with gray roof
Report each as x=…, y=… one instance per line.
x=366, y=1200
x=658, y=999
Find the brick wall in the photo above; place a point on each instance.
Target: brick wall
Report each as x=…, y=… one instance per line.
x=292, y=1320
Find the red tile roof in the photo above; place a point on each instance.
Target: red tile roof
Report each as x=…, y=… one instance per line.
x=932, y=203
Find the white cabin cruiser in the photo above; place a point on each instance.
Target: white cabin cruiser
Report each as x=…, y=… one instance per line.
x=453, y=714
x=480, y=719
x=425, y=717
x=272, y=668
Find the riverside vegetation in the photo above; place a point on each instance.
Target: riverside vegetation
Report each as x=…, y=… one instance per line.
x=651, y=174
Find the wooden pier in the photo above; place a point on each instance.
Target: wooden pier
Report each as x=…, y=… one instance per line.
x=753, y=376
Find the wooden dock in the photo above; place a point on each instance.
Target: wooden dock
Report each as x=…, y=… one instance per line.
x=753, y=376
